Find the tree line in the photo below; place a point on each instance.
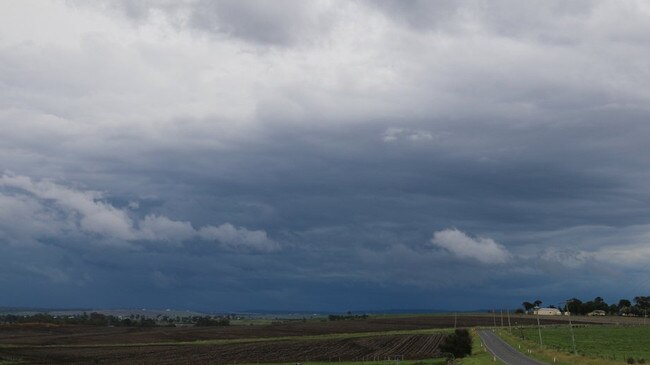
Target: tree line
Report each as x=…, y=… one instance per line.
x=346, y=317
x=99, y=319
x=638, y=306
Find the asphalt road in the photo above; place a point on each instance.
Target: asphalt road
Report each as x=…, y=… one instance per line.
x=504, y=352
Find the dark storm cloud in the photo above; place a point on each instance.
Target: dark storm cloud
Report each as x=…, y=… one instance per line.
x=281, y=23
x=539, y=19
x=296, y=153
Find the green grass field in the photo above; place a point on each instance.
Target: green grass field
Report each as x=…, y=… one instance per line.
x=595, y=345
x=608, y=342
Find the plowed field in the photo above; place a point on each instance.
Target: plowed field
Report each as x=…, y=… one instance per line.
x=379, y=347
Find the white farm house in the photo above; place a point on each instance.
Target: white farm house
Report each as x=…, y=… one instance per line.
x=547, y=312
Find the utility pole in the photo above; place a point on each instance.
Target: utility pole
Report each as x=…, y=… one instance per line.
x=509, y=326
x=501, y=313
x=455, y=319
x=539, y=330
x=573, y=338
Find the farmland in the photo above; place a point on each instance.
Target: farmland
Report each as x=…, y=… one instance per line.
x=71, y=335
x=375, y=347
x=413, y=337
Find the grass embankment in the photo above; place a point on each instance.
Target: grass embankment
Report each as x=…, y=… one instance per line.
x=381, y=362
x=480, y=356
x=11, y=362
x=595, y=345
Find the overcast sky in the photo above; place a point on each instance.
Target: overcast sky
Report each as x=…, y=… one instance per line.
x=323, y=155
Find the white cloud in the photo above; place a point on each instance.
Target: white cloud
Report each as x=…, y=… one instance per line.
x=93, y=215
x=23, y=220
x=161, y=228
x=393, y=134
x=35, y=210
x=484, y=250
x=238, y=237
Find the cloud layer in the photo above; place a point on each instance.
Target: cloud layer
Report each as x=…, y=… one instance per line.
x=302, y=154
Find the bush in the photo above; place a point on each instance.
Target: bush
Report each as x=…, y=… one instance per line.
x=458, y=343
x=630, y=360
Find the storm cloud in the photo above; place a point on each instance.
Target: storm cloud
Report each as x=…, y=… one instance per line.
x=323, y=155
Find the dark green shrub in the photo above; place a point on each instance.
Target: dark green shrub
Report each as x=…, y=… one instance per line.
x=458, y=343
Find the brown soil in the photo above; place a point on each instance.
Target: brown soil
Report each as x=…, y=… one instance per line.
x=379, y=347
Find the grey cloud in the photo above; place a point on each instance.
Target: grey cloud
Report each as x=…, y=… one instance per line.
x=539, y=19
x=265, y=22
x=563, y=258
x=421, y=14
x=393, y=134
x=274, y=23
x=348, y=131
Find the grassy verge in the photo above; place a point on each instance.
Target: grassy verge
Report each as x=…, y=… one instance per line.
x=384, y=362
x=480, y=356
x=11, y=362
x=562, y=355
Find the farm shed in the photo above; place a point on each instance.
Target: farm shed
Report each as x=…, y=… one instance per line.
x=547, y=312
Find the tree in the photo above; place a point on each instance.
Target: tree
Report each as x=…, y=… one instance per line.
x=537, y=303
x=642, y=302
x=623, y=304
x=207, y=321
x=587, y=307
x=458, y=343
x=600, y=304
x=574, y=305
x=613, y=309
x=97, y=319
x=528, y=306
